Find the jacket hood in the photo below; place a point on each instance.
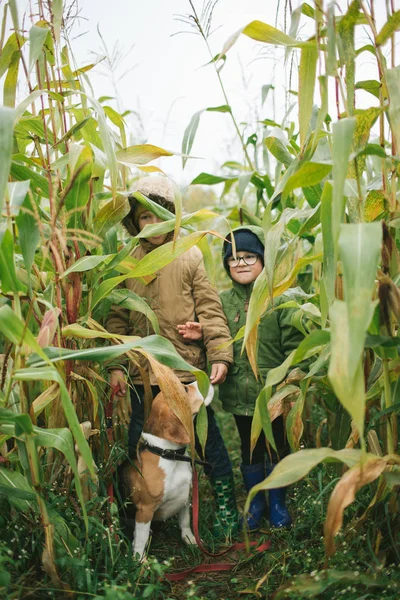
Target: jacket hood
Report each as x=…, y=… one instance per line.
x=253, y=229
x=158, y=189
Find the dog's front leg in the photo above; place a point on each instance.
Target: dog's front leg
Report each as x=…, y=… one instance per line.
x=184, y=522
x=142, y=532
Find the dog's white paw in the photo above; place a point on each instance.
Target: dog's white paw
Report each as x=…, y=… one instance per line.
x=188, y=538
x=139, y=554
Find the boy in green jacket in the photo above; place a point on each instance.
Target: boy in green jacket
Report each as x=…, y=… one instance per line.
x=276, y=339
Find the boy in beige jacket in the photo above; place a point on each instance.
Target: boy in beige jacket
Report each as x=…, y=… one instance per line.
x=178, y=293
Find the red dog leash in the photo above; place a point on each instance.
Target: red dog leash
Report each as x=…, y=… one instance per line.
x=207, y=568
x=108, y=411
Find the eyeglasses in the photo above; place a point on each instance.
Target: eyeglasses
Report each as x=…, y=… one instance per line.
x=248, y=260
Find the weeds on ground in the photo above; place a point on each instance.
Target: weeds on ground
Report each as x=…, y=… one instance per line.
x=101, y=565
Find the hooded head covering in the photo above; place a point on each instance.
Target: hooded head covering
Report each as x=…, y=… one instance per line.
x=249, y=239
x=159, y=189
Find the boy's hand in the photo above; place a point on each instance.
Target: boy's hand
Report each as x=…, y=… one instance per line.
x=218, y=373
x=117, y=379
x=191, y=330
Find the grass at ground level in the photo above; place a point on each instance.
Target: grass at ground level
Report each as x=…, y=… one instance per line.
x=365, y=565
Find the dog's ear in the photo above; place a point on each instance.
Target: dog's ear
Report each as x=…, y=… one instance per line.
x=164, y=423
x=195, y=397
x=174, y=431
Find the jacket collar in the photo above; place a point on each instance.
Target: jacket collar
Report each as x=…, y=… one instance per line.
x=243, y=291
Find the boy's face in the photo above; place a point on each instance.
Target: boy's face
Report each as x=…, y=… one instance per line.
x=245, y=273
x=148, y=218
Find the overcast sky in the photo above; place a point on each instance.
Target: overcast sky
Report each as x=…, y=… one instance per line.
x=168, y=81
x=162, y=76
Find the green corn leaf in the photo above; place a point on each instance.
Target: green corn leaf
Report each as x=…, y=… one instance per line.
x=78, y=193
x=28, y=234
x=158, y=347
x=256, y=427
x=348, y=387
x=262, y=402
x=17, y=191
x=191, y=130
x=330, y=251
x=110, y=214
x=19, y=492
x=37, y=38
x=360, y=246
x=157, y=209
x=308, y=174
x=49, y=373
x=11, y=81
x=108, y=144
x=294, y=467
x=105, y=288
x=307, y=73
x=121, y=255
x=262, y=32
x=6, y=141
x=8, y=277
x=393, y=87
x=72, y=131
x=390, y=27
x=208, y=179
x=199, y=216
x=278, y=149
x=22, y=107
x=331, y=62
x=311, y=344
x=347, y=51
x=141, y=155
x=62, y=440
x=343, y=131
x=12, y=45
x=39, y=184
x=12, y=328
x=128, y=299
x=87, y=263
x=57, y=9
x=189, y=135
x=369, y=85
x=323, y=90
x=202, y=427
x=163, y=255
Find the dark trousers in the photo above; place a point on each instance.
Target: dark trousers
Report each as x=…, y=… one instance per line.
x=243, y=424
x=216, y=453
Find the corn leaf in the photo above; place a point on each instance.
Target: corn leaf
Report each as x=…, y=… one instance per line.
x=307, y=73
x=110, y=214
x=37, y=38
x=141, y=155
x=6, y=141
x=343, y=131
x=51, y=374
x=393, y=86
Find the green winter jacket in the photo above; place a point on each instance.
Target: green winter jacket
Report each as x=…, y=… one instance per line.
x=276, y=339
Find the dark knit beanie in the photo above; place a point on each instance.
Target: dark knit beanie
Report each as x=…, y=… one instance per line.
x=246, y=241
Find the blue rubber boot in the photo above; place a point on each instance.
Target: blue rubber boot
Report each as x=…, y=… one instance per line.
x=252, y=475
x=278, y=513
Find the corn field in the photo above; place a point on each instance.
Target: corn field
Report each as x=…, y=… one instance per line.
x=323, y=186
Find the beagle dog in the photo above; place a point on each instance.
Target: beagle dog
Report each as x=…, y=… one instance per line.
x=159, y=482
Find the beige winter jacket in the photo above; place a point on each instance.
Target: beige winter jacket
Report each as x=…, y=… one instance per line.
x=178, y=293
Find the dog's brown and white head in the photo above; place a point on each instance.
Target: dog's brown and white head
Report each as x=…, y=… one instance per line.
x=163, y=422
